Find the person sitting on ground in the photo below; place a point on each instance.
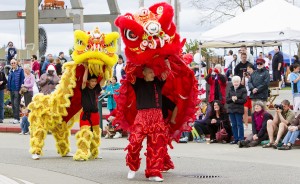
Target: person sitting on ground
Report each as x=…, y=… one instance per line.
x=115, y=134
x=235, y=99
x=24, y=122
x=259, y=126
x=218, y=119
x=110, y=131
x=200, y=123
x=279, y=125
x=293, y=133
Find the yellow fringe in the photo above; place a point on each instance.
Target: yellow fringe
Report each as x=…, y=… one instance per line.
x=84, y=137
x=96, y=141
x=47, y=113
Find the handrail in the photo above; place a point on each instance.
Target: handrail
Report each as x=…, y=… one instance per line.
x=102, y=96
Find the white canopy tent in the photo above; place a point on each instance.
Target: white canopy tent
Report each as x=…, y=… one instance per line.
x=266, y=24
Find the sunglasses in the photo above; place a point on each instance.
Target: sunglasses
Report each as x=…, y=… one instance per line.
x=12, y=63
x=260, y=63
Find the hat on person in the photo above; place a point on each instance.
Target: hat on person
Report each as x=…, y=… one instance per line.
x=51, y=67
x=260, y=61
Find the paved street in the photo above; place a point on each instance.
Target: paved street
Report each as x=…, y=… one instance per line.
x=229, y=163
x=193, y=161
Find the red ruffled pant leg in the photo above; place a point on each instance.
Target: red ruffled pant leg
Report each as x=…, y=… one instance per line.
x=156, y=144
x=148, y=122
x=136, y=137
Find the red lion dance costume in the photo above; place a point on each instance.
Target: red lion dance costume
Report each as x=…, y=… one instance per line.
x=150, y=38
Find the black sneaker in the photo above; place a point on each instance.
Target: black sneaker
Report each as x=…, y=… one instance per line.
x=240, y=144
x=1, y=121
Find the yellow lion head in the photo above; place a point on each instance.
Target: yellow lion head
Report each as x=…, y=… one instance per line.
x=96, y=48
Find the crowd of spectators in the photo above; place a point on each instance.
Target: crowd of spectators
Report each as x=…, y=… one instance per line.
x=243, y=88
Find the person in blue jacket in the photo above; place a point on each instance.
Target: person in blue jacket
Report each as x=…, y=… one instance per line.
x=110, y=91
x=14, y=83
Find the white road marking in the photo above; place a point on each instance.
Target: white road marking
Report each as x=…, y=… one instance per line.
x=7, y=180
x=24, y=181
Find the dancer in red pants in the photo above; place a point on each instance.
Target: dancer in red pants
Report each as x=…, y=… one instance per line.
x=148, y=123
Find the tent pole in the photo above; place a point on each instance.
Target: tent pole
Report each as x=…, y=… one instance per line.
x=200, y=66
x=290, y=53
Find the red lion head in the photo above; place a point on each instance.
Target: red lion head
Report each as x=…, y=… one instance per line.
x=149, y=33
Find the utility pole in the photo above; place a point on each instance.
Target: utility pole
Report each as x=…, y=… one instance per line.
x=177, y=11
x=141, y=3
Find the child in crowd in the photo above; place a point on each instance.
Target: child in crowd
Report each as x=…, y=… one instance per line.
x=88, y=137
x=295, y=84
x=110, y=90
x=24, y=122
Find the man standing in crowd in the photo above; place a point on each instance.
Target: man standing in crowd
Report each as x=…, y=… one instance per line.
x=3, y=82
x=41, y=64
x=62, y=58
x=277, y=64
x=228, y=59
x=15, y=80
x=119, y=69
x=279, y=125
x=11, y=52
x=35, y=66
x=242, y=66
x=243, y=49
x=46, y=63
x=259, y=83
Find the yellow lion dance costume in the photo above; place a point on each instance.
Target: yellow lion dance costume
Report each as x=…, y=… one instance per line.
x=58, y=111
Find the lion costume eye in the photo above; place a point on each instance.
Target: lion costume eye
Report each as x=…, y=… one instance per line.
x=130, y=35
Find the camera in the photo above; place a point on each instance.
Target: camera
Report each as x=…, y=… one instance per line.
x=247, y=73
x=278, y=106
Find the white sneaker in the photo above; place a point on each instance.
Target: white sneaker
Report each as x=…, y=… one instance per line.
x=106, y=136
x=156, y=179
x=117, y=135
x=35, y=156
x=69, y=155
x=21, y=133
x=15, y=121
x=131, y=174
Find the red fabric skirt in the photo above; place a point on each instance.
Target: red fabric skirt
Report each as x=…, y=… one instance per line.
x=94, y=117
x=248, y=103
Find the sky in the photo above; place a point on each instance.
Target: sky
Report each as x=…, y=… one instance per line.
x=60, y=36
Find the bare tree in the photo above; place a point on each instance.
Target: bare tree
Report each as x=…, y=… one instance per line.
x=217, y=11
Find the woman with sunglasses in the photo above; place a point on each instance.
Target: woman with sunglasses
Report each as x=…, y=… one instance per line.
x=259, y=83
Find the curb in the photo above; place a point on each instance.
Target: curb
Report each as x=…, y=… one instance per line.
x=11, y=129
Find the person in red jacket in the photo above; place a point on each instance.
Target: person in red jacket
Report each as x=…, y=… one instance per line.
x=35, y=67
x=217, y=83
